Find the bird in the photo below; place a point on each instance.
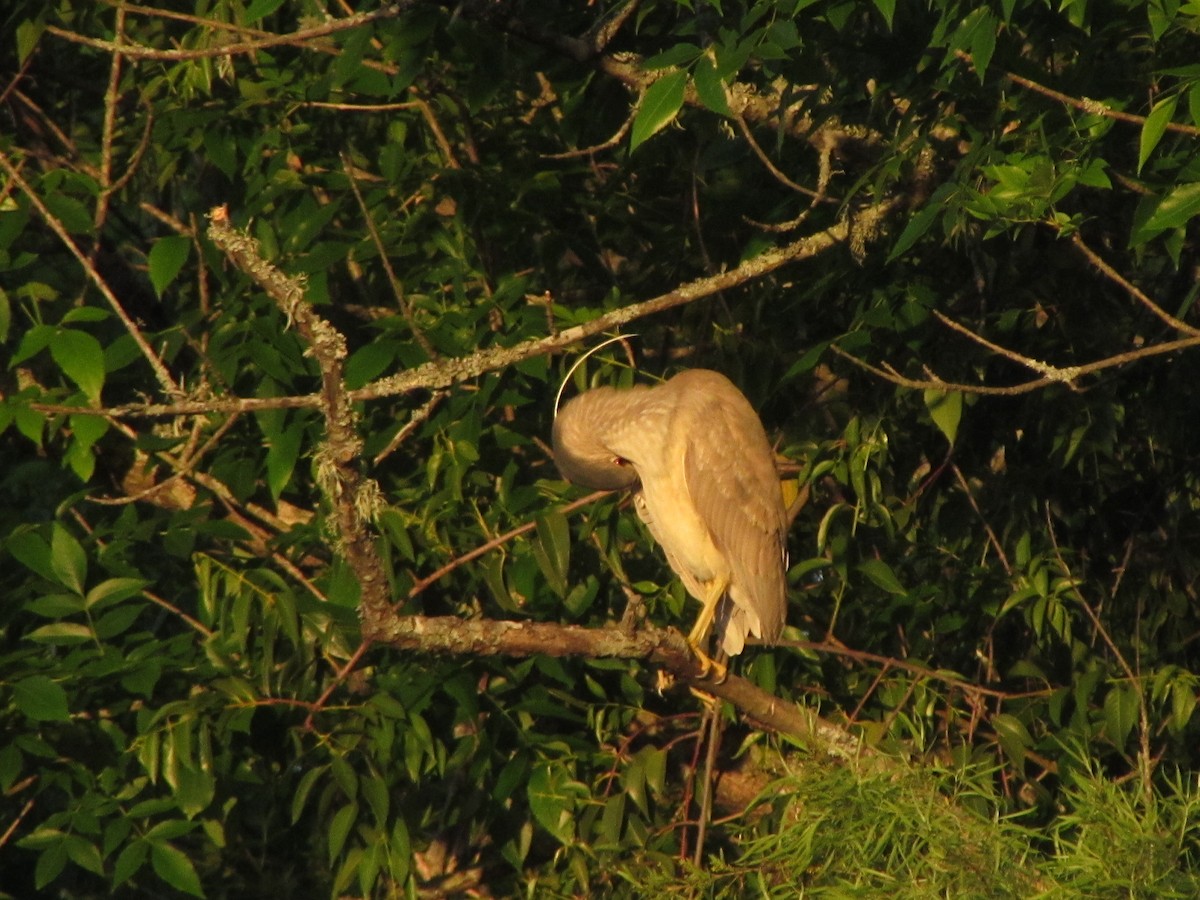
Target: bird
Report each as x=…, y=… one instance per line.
x=696, y=457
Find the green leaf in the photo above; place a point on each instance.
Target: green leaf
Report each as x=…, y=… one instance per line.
x=50, y=864
x=131, y=859
x=62, y=633
x=552, y=801
x=679, y=55
x=72, y=214
x=552, y=550
x=946, y=410
x=67, y=560
x=84, y=854
x=710, y=88
x=166, y=259
x=41, y=699
x=1183, y=704
x=1154, y=127
x=887, y=8
x=339, y=829
x=919, y=224
x=81, y=358
x=29, y=33
x=283, y=451
x=983, y=42
x=173, y=867
x=31, y=549
x=1174, y=210
x=882, y=576
x=660, y=104
x=1120, y=712
x=1014, y=737
x=114, y=590
x=260, y=9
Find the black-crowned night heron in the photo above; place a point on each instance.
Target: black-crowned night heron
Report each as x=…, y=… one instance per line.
x=703, y=474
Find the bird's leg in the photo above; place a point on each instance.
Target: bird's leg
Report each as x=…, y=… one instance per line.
x=696, y=638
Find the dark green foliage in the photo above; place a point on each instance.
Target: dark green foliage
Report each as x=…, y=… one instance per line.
x=999, y=582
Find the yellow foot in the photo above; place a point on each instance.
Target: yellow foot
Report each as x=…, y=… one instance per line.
x=705, y=697
x=663, y=682
x=709, y=667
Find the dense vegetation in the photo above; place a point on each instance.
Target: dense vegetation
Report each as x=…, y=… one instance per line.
x=287, y=291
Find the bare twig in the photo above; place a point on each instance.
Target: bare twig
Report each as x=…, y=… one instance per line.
x=939, y=384
x=818, y=196
x=111, y=96
x=1144, y=755
x=402, y=301
x=608, y=144
x=1133, y=290
x=1086, y=104
x=992, y=538
x=495, y=542
x=139, y=51
x=415, y=421
x=160, y=370
x=1054, y=373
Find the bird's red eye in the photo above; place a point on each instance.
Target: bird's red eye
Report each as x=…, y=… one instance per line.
x=620, y=461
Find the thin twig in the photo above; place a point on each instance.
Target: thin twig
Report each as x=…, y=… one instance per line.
x=1144, y=756
x=402, y=301
x=160, y=370
x=111, y=97
x=1054, y=373
x=608, y=144
x=776, y=172
x=414, y=422
x=1133, y=290
x=992, y=539
x=1086, y=104
x=300, y=36
x=495, y=542
x=939, y=384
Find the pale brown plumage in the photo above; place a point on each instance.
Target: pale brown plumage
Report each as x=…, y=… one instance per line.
x=703, y=474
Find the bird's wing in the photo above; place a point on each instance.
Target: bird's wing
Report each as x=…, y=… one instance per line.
x=730, y=472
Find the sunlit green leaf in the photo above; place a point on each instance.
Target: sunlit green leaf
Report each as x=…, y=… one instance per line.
x=887, y=8
x=82, y=360
x=67, y=560
x=709, y=86
x=173, y=867
x=945, y=408
x=660, y=104
x=1173, y=210
x=1155, y=126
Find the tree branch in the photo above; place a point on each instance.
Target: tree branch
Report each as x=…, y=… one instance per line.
x=353, y=498
x=662, y=647
x=446, y=372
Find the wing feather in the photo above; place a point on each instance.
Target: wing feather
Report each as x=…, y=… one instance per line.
x=729, y=469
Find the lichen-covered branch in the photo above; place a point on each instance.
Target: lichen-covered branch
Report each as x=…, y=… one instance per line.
x=353, y=498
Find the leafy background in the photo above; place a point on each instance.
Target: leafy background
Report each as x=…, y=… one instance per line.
x=978, y=363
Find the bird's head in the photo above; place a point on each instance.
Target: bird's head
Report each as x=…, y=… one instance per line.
x=592, y=435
